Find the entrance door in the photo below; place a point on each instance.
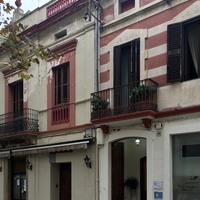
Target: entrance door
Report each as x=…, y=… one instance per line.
x=19, y=187
x=143, y=178
x=117, y=171
x=18, y=170
x=65, y=181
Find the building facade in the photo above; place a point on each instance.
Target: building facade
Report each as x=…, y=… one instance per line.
x=147, y=109
x=47, y=140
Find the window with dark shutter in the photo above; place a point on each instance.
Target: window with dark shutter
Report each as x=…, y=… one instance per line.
x=126, y=70
x=174, y=52
x=183, y=50
x=127, y=63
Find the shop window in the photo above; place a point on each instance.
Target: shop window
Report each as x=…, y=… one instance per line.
x=125, y=5
x=183, y=50
x=186, y=175
x=61, y=84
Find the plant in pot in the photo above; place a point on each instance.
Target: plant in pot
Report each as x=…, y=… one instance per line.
x=139, y=93
x=99, y=104
x=131, y=183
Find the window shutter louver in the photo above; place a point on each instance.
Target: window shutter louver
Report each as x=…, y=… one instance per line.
x=117, y=63
x=135, y=72
x=174, y=44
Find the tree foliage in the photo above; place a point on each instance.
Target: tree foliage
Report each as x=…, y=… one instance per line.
x=22, y=50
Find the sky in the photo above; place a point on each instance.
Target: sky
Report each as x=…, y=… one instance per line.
x=29, y=4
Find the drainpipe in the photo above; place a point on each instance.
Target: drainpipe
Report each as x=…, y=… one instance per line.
x=97, y=43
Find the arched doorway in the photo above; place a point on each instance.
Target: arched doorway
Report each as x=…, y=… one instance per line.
x=129, y=169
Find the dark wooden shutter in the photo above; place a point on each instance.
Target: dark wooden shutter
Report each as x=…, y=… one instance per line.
x=117, y=63
x=135, y=70
x=174, y=52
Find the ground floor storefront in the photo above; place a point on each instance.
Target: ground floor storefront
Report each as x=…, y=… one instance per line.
x=159, y=163
x=55, y=171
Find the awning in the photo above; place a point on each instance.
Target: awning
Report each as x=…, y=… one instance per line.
x=59, y=147
x=4, y=154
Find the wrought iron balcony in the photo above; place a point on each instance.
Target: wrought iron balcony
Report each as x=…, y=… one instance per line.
x=25, y=120
x=133, y=97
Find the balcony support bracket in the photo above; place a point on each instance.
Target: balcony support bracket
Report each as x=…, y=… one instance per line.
x=147, y=122
x=105, y=129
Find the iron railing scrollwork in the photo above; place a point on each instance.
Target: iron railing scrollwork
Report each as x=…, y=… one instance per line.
x=25, y=120
x=123, y=99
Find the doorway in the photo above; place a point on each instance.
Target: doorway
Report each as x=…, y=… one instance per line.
x=18, y=176
x=65, y=181
x=128, y=169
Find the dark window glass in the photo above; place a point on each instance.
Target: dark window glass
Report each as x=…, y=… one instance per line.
x=61, y=84
x=125, y=5
x=18, y=98
x=126, y=70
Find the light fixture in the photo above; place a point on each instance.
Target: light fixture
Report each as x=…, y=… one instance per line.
x=87, y=161
x=88, y=13
x=137, y=141
x=28, y=165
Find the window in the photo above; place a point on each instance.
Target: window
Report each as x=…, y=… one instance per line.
x=186, y=175
x=126, y=70
x=183, y=50
x=17, y=90
x=61, y=34
x=61, y=84
x=127, y=63
x=125, y=5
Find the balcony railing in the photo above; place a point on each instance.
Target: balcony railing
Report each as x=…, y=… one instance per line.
x=59, y=6
x=60, y=114
x=133, y=97
x=25, y=120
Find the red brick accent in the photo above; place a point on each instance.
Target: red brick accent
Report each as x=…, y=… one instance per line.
x=107, y=39
x=161, y=80
x=156, y=40
x=156, y=61
x=105, y=76
x=105, y=58
x=107, y=14
x=145, y=2
x=149, y=22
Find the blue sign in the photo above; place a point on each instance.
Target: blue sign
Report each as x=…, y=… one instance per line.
x=158, y=195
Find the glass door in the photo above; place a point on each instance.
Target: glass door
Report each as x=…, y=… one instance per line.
x=19, y=187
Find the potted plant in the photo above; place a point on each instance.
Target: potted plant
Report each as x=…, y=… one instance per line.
x=139, y=93
x=99, y=104
x=131, y=183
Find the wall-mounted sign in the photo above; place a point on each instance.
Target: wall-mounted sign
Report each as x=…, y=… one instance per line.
x=158, y=185
x=158, y=195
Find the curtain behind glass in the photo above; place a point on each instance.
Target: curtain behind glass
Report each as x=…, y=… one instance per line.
x=194, y=44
